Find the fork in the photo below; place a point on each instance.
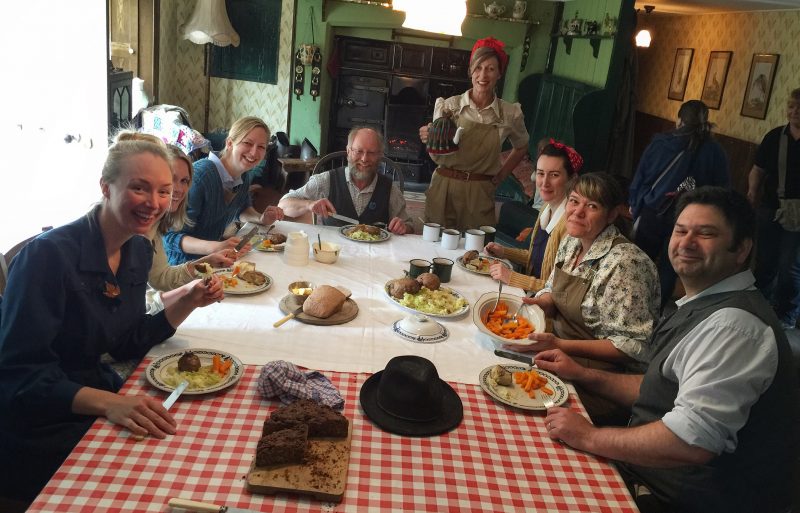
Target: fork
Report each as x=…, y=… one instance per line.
x=546, y=401
x=497, y=302
x=513, y=319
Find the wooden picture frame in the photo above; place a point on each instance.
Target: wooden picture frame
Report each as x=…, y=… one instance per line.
x=717, y=73
x=759, y=85
x=680, y=73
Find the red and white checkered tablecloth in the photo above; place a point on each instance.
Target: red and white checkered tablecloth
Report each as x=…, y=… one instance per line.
x=496, y=460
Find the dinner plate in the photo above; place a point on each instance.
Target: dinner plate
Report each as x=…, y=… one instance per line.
x=514, y=395
x=275, y=248
x=442, y=316
x=462, y=265
x=384, y=235
x=158, y=368
x=242, y=287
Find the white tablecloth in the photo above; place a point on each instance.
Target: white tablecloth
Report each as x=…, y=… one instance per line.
x=242, y=325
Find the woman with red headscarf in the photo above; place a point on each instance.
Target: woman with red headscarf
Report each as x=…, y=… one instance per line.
x=461, y=194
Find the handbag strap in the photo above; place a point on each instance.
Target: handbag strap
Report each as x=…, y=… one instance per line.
x=783, y=148
x=666, y=169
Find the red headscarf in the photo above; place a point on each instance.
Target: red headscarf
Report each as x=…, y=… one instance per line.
x=574, y=157
x=497, y=46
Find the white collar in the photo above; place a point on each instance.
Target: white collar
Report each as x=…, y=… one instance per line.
x=549, y=218
x=740, y=281
x=228, y=182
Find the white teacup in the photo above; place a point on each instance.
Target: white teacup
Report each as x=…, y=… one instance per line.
x=450, y=238
x=474, y=239
x=431, y=232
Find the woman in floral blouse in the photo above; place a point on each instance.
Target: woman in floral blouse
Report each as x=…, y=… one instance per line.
x=603, y=293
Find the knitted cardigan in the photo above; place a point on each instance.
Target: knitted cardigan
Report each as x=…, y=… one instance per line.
x=522, y=256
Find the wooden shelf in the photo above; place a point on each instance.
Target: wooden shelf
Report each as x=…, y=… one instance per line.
x=594, y=40
x=512, y=20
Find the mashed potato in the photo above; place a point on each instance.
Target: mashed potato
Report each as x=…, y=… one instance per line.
x=204, y=378
x=437, y=302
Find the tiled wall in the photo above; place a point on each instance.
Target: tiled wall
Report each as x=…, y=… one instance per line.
x=741, y=33
x=182, y=81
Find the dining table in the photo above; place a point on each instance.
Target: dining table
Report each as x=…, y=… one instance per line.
x=498, y=459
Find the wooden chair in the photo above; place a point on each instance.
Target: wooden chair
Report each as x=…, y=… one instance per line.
x=5, y=259
x=386, y=166
x=336, y=159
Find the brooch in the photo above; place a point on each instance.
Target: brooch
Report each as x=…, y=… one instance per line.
x=111, y=290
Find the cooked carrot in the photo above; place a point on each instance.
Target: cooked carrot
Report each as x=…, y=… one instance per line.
x=216, y=362
x=225, y=366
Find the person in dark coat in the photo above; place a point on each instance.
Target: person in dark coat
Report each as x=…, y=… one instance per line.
x=682, y=159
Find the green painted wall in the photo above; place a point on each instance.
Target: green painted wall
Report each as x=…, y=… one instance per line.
x=309, y=118
x=580, y=64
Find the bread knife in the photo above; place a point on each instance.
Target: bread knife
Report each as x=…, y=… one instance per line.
x=206, y=507
x=290, y=315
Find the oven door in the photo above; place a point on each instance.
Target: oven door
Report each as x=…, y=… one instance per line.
x=361, y=100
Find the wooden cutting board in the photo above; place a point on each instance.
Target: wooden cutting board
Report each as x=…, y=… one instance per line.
x=323, y=476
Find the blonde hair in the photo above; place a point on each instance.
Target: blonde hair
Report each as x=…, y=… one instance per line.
x=241, y=127
x=127, y=143
x=178, y=219
x=481, y=54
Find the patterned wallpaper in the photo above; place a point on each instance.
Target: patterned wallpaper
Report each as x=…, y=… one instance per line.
x=741, y=33
x=182, y=82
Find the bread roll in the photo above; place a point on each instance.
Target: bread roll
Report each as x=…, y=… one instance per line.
x=324, y=301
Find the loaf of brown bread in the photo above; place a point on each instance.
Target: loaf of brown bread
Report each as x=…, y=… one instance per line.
x=322, y=420
x=324, y=301
x=283, y=447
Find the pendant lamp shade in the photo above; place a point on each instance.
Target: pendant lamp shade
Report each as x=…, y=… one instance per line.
x=210, y=24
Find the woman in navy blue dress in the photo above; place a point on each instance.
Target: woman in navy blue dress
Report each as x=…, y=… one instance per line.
x=73, y=294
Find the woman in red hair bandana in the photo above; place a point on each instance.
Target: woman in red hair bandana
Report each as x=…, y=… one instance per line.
x=461, y=194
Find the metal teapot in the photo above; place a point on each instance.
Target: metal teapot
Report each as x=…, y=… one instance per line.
x=493, y=10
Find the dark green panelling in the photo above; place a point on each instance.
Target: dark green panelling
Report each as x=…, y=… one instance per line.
x=309, y=118
x=580, y=64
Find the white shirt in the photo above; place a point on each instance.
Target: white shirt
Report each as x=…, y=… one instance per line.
x=549, y=218
x=722, y=367
x=319, y=186
x=228, y=182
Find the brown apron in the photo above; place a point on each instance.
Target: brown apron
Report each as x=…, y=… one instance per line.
x=463, y=204
x=567, y=293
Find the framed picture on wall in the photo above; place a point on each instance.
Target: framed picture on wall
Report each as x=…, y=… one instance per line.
x=680, y=73
x=716, y=75
x=759, y=85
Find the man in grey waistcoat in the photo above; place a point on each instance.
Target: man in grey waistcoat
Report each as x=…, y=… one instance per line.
x=713, y=417
x=357, y=190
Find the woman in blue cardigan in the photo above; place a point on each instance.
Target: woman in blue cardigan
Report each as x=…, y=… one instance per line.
x=74, y=294
x=220, y=194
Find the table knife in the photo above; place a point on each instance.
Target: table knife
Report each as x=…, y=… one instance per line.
x=206, y=507
x=169, y=401
x=514, y=356
x=345, y=219
x=289, y=316
x=246, y=238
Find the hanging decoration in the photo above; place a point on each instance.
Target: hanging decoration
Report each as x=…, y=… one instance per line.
x=308, y=55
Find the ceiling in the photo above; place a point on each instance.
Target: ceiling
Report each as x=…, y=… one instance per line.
x=715, y=6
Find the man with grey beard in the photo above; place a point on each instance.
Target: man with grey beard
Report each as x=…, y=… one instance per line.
x=357, y=190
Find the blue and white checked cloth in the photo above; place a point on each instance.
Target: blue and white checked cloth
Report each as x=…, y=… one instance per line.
x=287, y=382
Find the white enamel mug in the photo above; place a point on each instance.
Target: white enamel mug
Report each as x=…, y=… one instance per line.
x=474, y=239
x=450, y=238
x=431, y=232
